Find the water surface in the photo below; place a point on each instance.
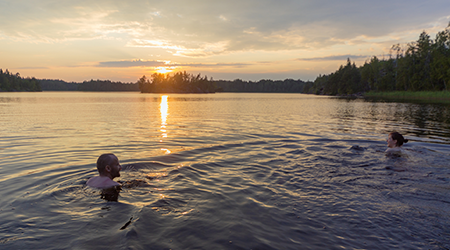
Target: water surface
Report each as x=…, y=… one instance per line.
x=222, y=171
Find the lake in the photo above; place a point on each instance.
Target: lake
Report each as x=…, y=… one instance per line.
x=222, y=171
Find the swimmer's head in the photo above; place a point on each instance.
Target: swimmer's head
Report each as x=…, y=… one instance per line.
x=108, y=165
x=395, y=139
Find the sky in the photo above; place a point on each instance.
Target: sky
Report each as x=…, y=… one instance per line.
x=78, y=40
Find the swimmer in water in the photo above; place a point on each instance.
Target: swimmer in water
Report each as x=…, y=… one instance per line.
x=395, y=141
x=108, y=167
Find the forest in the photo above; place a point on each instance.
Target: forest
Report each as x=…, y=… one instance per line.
x=92, y=85
x=14, y=82
x=423, y=65
x=182, y=82
x=106, y=85
x=261, y=86
x=57, y=85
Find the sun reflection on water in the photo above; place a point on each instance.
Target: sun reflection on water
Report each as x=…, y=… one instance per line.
x=164, y=109
x=166, y=151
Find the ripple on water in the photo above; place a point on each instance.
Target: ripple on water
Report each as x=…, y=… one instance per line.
x=281, y=194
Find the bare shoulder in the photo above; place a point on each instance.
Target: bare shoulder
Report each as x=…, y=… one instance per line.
x=393, y=150
x=101, y=182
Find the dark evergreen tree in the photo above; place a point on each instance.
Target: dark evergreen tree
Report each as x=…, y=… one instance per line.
x=422, y=65
x=14, y=82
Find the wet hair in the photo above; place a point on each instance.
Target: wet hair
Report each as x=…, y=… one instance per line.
x=105, y=160
x=399, y=137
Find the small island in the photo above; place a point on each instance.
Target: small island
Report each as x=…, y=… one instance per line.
x=180, y=82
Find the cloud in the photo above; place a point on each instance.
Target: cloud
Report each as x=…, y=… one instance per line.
x=33, y=68
x=204, y=28
x=334, y=58
x=155, y=64
x=129, y=64
x=185, y=49
x=211, y=65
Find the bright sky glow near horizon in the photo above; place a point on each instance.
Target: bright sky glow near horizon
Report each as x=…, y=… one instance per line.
x=78, y=40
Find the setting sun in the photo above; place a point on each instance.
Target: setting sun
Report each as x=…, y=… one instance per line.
x=163, y=70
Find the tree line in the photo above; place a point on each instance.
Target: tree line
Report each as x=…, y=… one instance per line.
x=180, y=82
x=106, y=85
x=262, y=86
x=14, y=82
x=57, y=85
x=92, y=85
x=423, y=65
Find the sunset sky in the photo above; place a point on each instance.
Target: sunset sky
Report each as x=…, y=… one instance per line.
x=77, y=40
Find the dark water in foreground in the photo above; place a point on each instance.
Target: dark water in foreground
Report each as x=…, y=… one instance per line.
x=222, y=171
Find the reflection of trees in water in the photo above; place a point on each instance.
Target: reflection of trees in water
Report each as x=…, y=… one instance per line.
x=420, y=119
x=346, y=115
x=9, y=99
x=432, y=119
x=428, y=119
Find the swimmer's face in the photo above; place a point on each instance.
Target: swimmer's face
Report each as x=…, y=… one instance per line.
x=391, y=143
x=115, y=168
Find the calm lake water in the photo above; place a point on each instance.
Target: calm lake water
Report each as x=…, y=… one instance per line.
x=222, y=171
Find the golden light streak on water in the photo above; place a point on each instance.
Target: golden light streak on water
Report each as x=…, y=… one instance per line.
x=166, y=151
x=164, y=110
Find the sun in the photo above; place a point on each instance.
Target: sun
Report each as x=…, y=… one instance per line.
x=163, y=70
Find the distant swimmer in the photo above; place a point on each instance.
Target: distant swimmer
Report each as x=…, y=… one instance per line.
x=108, y=167
x=394, y=142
